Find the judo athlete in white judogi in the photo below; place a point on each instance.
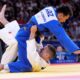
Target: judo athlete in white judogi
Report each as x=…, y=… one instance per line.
x=37, y=58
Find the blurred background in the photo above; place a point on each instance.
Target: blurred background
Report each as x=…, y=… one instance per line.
x=22, y=10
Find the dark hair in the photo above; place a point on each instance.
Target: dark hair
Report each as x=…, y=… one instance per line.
x=52, y=49
x=65, y=9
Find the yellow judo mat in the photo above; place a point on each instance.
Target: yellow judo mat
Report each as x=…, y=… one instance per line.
x=52, y=72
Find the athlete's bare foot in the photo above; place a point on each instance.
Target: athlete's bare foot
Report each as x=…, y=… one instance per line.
x=3, y=20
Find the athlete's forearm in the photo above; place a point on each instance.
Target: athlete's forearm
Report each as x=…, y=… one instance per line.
x=77, y=52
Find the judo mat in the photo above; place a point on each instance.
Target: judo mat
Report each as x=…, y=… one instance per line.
x=52, y=72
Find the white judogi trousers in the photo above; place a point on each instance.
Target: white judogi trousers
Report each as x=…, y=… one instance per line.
x=8, y=34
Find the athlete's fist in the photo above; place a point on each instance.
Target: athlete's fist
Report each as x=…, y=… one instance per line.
x=34, y=29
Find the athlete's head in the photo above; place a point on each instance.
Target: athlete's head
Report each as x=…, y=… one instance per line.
x=48, y=52
x=63, y=13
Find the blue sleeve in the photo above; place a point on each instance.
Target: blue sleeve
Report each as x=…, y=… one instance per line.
x=56, y=28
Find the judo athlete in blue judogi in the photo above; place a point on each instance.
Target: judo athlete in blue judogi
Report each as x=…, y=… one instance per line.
x=47, y=20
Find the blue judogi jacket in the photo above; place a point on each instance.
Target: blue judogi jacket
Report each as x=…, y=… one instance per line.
x=47, y=22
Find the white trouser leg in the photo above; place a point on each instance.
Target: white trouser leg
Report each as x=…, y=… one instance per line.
x=10, y=54
x=8, y=34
